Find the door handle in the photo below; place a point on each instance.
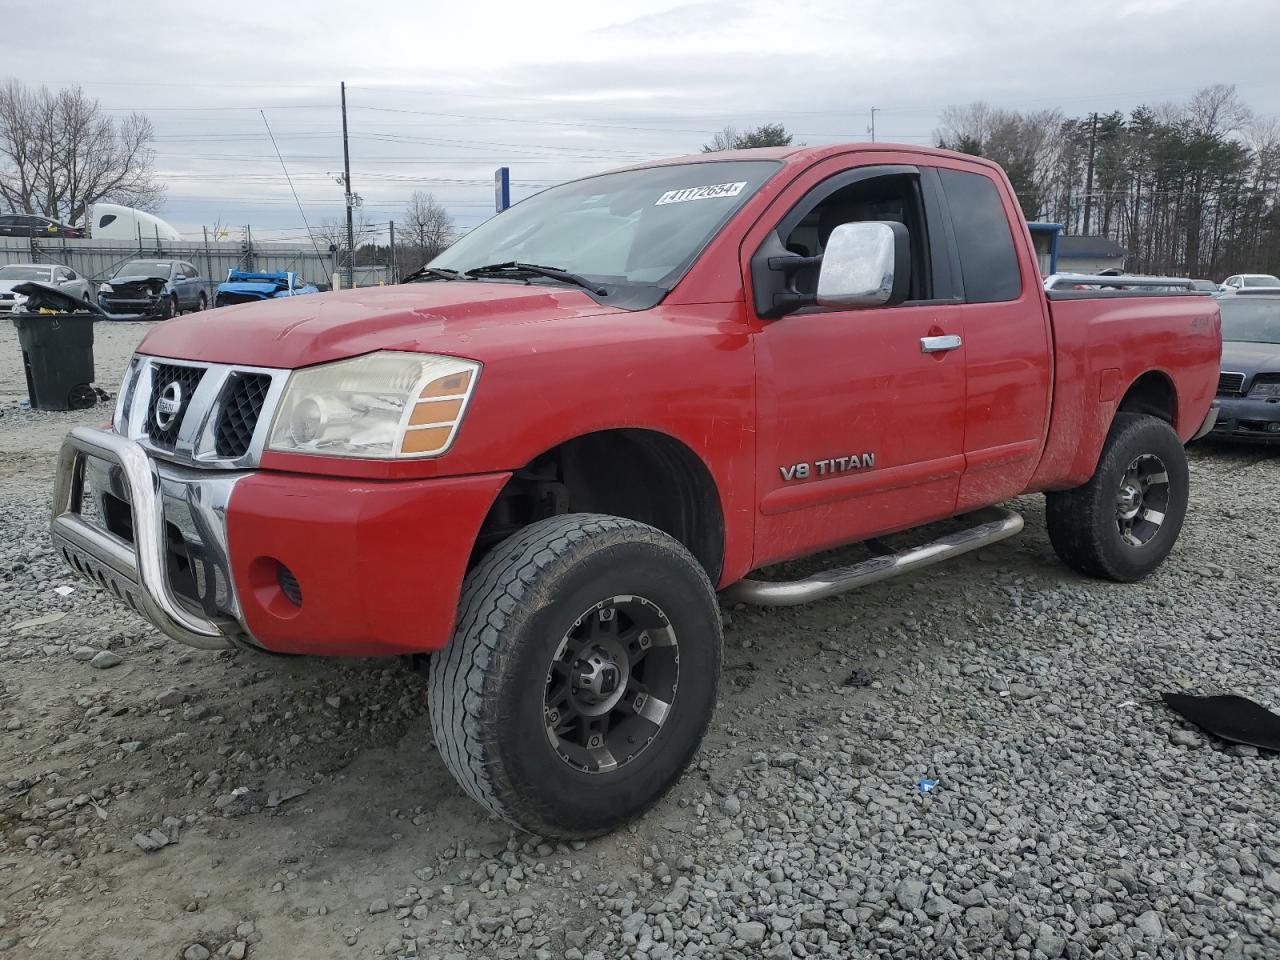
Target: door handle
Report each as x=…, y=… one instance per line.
x=950, y=341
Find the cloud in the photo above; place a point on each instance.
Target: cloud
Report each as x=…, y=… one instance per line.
x=441, y=95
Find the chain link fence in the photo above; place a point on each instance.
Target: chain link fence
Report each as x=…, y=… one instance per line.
x=98, y=260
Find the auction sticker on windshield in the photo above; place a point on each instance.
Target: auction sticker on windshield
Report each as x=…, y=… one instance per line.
x=702, y=193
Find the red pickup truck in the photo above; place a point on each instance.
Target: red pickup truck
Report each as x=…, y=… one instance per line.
x=540, y=460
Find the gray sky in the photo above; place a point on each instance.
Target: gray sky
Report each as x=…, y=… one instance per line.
x=439, y=95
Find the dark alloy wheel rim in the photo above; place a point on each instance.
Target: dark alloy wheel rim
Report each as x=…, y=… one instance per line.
x=1142, y=500
x=611, y=684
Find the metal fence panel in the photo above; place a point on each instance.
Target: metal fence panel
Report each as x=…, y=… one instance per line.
x=100, y=259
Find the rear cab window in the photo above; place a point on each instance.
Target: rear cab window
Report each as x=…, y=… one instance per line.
x=988, y=259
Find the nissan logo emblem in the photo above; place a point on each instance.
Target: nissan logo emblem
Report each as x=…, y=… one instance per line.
x=168, y=405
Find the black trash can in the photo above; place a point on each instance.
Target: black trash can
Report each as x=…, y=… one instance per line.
x=57, y=355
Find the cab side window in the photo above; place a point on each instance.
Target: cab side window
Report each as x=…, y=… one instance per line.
x=895, y=198
x=988, y=262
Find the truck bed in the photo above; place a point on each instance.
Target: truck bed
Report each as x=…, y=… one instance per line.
x=1104, y=341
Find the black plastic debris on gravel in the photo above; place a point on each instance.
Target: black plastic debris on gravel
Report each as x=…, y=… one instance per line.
x=1229, y=717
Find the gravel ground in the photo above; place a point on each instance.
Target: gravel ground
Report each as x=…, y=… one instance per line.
x=972, y=769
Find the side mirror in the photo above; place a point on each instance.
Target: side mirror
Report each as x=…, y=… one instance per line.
x=865, y=264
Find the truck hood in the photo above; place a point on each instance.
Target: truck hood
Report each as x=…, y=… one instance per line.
x=1239, y=356
x=456, y=317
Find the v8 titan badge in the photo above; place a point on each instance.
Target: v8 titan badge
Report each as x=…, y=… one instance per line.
x=825, y=468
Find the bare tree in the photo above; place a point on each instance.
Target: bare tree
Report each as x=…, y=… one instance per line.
x=765, y=135
x=1029, y=146
x=60, y=153
x=332, y=232
x=427, y=228
x=1217, y=111
x=726, y=139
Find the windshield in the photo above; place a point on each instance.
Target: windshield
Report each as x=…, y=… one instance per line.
x=145, y=268
x=1249, y=320
x=638, y=227
x=1261, y=280
x=21, y=271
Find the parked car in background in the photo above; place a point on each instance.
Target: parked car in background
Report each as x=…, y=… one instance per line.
x=31, y=225
x=1242, y=281
x=1205, y=286
x=154, y=288
x=50, y=274
x=245, y=286
x=1249, y=386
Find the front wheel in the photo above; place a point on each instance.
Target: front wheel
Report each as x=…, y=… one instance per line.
x=169, y=308
x=581, y=676
x=1122, y=523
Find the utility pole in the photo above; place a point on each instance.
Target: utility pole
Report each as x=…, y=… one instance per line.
x=208, y=264
x=395, y=270
x=872, y=128
x=1088, y=177
x=346, y=178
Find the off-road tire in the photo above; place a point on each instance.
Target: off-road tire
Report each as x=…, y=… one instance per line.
x=1082, y=522
x=486, y=689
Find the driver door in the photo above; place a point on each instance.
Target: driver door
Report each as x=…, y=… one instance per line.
x=861, y=411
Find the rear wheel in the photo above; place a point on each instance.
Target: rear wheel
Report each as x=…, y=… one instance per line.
x=203, y=301
x=1122, y=523
x=581, y=676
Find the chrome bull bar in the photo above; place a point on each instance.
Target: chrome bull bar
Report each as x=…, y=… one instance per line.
x=136, y=573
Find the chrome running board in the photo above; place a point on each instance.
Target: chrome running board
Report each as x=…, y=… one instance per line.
x=996, y=524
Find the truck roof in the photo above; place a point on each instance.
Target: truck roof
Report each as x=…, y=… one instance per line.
x=800, y=155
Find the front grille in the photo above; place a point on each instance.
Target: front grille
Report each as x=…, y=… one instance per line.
x=1231, y=383
x=240, y=411
x=220, y=408
x=164, y=425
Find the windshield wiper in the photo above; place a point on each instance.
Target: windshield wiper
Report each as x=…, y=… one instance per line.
x=554, y=273
x=432, y=273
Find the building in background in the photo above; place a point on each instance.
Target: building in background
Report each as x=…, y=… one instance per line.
x=1044, y=237
x=1089, y=254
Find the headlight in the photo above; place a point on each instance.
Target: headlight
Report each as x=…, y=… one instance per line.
x=104, y=288
x=1266, y=388
x=383, y=405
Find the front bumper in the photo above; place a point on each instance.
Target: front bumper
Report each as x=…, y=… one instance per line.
x=131, y=305
x=1248, y=418
x=132, y=560
x=284, y=562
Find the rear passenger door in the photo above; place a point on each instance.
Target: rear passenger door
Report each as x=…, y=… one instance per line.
x=1007, y=344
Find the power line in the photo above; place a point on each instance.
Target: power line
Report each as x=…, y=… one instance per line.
x=301, y=212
